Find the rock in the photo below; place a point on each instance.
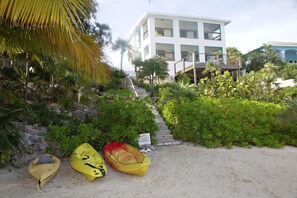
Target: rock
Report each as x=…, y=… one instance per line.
x=77, y=106
x=54, y=107
x=91, y=113
x=80, y=115
x=34, y=143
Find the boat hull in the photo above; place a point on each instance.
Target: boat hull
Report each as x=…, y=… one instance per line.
x=86, y=159
x=126, y=158
x=44, y=172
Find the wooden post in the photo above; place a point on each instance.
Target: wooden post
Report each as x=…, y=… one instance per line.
x=194, y=69
x=218, y=59
x=184, y=65
x=239, y=61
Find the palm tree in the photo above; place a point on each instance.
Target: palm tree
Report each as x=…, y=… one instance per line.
x=123, y=46
x=102, y=34
x=55, y=28
x=232, y=55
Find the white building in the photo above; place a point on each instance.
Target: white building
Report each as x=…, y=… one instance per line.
x=174, y=37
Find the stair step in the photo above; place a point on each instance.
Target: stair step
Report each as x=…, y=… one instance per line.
x=164, y=135
x=161, y=125
x=157, y=115
x=169, y=143
x=163, y=131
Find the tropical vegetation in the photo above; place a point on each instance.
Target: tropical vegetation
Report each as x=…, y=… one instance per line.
x=224, y=111
x=51, y=54
x=151, y=69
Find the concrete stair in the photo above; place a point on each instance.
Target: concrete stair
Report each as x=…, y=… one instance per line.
x=163, y=135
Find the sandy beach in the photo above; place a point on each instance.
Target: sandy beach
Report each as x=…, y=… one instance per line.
x=176, y=171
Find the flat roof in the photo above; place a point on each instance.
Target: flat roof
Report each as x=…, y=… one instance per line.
x=147, y=14
x=282, y=43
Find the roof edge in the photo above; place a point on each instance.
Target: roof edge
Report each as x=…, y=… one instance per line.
x=147, y=14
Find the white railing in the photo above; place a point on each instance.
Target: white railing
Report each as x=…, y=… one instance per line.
x=131, y=86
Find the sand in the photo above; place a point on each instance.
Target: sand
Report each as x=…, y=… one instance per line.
x=176, y=171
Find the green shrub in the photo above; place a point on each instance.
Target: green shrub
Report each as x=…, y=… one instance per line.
x=224, y=122
x=123, y=120
x=119, y=119
x=10, y=137
x=73, y=134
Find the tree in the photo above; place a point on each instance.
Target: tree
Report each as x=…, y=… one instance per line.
x=123, y=46
x=256, y=59
x=54, y=27
x=153, y=68
x=269, y=73
x=102, y=34
x=232, y=55
x=289, y=71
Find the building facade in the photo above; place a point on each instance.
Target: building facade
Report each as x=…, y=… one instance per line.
x=286, y=50
x=175, y=37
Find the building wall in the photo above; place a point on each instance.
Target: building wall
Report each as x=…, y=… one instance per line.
x=288, y=53
x=152, y=39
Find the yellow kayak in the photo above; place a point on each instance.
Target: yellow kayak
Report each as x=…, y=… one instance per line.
x=44, y=168
x=126, y=158
x=86, y=159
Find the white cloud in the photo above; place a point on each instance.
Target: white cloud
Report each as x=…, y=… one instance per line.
x=254, y=22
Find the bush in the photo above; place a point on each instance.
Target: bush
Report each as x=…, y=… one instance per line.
x=119, y=119
x=123, y=120
x=10, y=137
x=225, y=122
x=73, y=134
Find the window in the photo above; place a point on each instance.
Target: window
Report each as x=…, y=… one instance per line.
x=166, y=51
x=164, y=27
x=146, y=52
x=212, y=31
x=145, y=31
x=291, y=56
x=187, y=52
x=188, y=29
x=213, y=54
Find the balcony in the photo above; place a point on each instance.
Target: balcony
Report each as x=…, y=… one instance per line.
x=166, y=51
x=212, y=31
x=189, y=49
x=164, y=27
x=164, y=32
x=195, y=68
x=188, y=29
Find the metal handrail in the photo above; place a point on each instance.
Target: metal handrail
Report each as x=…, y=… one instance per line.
x=132, y=86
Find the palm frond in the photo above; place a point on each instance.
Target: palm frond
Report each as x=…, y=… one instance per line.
x=35, y=13
x=53, y=27
x=83, y=55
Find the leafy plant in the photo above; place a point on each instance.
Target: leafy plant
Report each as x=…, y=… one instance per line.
x=214, y=122
x=119, y=119
x=72, y=135
x=10, y=137
x=123, y=120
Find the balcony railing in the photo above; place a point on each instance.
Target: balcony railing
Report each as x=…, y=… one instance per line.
x=187, y=62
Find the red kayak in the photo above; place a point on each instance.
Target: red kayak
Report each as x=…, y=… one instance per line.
x=125, y=158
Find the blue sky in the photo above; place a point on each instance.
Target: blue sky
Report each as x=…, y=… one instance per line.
x=253, y=22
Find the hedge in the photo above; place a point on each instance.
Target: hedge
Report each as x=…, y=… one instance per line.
x=215, y=122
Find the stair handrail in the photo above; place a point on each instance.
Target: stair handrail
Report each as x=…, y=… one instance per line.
x=132, y=86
